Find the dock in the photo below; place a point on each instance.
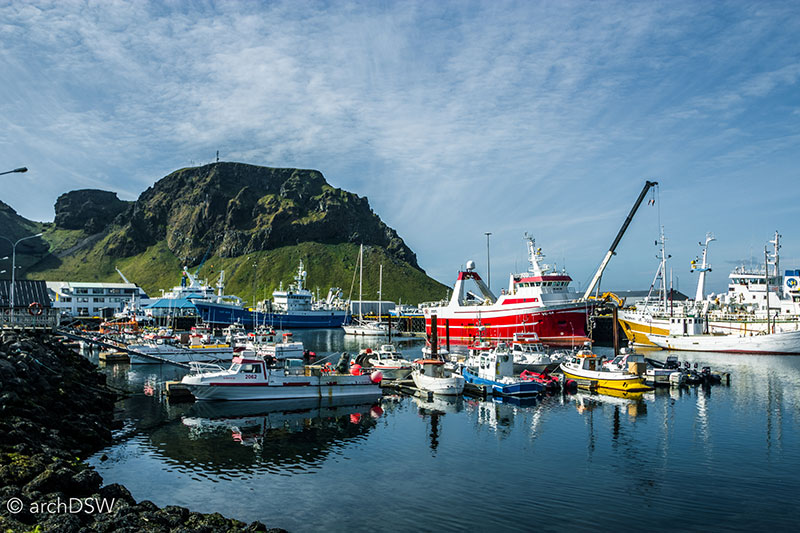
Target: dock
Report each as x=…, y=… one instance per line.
x=112, y=346
x=406, y=386
x=177, y=392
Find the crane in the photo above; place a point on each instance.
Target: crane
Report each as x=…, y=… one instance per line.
x=607, y=258
x=121, y=275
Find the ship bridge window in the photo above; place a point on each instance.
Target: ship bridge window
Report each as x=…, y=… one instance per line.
x=251, y=369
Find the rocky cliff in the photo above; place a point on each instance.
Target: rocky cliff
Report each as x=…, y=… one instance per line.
x=90, y=210
x=233, y=209
x=256, y=223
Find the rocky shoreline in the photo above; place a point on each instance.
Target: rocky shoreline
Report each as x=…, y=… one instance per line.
x=56, y=410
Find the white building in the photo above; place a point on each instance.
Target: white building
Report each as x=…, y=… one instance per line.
x=92, y=298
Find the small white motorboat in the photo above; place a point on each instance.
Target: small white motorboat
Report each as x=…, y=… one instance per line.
x=390, y=362
x=432, y=375
x=250, y=378
x=286, y=349
x=530, y=354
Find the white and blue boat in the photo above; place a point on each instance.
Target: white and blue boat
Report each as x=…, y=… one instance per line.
x=495, y=369
x=289, y=309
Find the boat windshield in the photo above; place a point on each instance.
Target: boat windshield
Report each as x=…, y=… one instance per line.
x=235, y=367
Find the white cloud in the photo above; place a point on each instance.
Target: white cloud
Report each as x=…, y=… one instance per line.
x=454, y=118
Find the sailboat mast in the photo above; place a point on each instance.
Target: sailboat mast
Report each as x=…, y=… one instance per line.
x=380, y=293
x=663, y=269
x=360, y=279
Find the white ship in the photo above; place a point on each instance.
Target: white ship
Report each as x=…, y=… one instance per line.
x=760, y=304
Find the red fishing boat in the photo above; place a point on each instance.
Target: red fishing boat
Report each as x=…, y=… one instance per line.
x=538, y=301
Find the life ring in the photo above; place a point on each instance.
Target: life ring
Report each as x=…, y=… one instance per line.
x=35, y=309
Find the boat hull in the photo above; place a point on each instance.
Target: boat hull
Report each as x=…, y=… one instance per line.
x=539, y=368
x=447, y=386
x=609, y=380
x=787, y=343
x=519, y=388
x=557, y=324
x=290, y=387
x=364, y=331
x=393, y=372
x=644, y=329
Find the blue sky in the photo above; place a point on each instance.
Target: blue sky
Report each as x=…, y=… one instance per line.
x=453, y=118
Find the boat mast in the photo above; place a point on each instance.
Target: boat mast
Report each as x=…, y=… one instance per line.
x=380, y=292
x=766, y=284
x=360, y=279
x=704, y=267
x=663, y=269
x=776, y=246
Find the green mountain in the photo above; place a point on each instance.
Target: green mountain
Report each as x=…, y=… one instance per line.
x=255, y=223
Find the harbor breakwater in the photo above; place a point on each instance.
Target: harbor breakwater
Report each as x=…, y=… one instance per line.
x=55, y=410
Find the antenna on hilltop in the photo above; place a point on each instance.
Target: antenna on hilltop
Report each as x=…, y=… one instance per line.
x=217, y=156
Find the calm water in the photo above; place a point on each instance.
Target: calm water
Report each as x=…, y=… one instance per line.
x=724, y=458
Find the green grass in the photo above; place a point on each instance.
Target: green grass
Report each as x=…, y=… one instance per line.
x=327, y=265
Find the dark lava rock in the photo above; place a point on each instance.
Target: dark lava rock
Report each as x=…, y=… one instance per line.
x=91, y=210
x=55, y=409
x=232, y=209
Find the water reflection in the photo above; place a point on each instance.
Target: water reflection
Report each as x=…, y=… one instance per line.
x=431, y=408
x=730, y=444
x=297, y=435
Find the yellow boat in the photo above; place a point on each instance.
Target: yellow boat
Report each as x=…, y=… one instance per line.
x=586, y=365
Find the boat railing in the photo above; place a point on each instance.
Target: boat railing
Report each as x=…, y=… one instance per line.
x=196, y=367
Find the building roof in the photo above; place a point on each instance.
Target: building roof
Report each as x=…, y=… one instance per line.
x=25, y=293
x=174, y=303
x=93, y=284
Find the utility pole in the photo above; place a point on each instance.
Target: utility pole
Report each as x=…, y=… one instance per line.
x=255, y=276
x=488, y=264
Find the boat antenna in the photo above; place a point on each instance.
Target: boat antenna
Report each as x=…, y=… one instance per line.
x=352, y=284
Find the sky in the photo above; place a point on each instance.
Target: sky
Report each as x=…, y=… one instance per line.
x=453, y=118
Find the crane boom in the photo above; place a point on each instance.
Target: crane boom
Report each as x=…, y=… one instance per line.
x=121, y=275
x=622, y=230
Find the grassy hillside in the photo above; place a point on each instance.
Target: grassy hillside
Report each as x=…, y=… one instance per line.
x=256, y=223
x=157, y=268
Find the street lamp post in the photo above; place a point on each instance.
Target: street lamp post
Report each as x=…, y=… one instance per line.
x=488, y=264
x=14, y=255
x=20, y=169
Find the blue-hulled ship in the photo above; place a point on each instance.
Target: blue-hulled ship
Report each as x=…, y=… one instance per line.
x=289, y=309
x=495, y=370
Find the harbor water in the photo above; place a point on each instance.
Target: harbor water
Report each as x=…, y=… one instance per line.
x=723, y=458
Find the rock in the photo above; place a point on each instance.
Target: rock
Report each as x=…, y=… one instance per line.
x=91, y=210
x=232, y=209
x=39, y=452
